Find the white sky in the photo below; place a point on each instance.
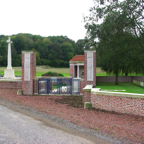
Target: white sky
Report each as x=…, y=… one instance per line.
x=44, y=17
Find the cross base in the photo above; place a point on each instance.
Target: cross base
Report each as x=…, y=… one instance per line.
x=9, y=73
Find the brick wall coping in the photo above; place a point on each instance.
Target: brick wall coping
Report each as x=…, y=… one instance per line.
x=95, y=90
x=118, y=94
x=76, y=62
x=10, y=80
x=87, y=88
x=90, y=50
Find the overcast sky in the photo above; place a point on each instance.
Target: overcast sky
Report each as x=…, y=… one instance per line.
x=44, y=17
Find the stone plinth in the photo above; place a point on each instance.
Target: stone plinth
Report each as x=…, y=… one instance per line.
x=28, y=71
x=9, y=73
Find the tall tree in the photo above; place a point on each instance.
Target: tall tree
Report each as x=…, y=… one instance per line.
x=119, y=38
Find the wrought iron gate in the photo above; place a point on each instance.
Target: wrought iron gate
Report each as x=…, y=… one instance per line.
x=55, y=86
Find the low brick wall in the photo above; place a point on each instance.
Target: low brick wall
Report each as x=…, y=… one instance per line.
x=119, y=102
x=120, y=78
x=129, y=103
x=10, y=84
x=35, y=86
x=82, y=85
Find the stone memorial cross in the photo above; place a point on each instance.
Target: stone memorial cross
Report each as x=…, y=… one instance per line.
x=9, y=72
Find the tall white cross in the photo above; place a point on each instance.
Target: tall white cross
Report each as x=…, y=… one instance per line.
x=9, y=54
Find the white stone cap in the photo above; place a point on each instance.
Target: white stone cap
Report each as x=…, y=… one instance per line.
x=95, y=89
x=87, y=88
x=118, y=94
x=76, y=78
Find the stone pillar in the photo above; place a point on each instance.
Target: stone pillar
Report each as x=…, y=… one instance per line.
x=90, y=67
x=28, y=71
x=77, y=71
x=71, y=69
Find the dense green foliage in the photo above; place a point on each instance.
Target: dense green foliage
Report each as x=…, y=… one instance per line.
x=54, y=74
x=55, y=51
x=119, y=38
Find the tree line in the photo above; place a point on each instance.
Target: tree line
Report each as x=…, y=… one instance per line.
x=55, y=51
x=115, y=28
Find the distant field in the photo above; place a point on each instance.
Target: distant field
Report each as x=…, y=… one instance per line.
x=122, y=87
x=64, y=71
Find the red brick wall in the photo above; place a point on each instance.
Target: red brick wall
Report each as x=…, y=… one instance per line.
x=71, y=70
x=82, y=85
x=27, y=86
x=118, y=104
x=94, y=70
x=35, y=86
x=10, y=85
x=86, y=97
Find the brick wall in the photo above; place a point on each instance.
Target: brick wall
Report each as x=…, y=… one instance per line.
x=35, y=86
x=82, y=85
x=120, y=78
x=94, y=70
x=71, y=70
x=27, y=86
x=86, y=96
x=10, y=84
x=118, y=104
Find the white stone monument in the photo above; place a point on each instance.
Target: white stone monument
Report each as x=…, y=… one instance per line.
x=9, y=72
x=89, y=66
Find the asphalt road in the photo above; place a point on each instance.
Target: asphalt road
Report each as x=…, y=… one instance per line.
x=17, y=128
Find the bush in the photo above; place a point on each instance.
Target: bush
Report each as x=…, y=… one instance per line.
x=50, y=73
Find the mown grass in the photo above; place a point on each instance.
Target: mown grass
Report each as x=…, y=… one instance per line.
x=128, y=87
x=39, y=71
x=65, y=71
x=120, y=74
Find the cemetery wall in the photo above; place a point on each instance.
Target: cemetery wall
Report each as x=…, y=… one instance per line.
x=129, y=103
x=10, y=84
x=120, y=78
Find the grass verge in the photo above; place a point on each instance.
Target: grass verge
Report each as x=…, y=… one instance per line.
x=122, y=87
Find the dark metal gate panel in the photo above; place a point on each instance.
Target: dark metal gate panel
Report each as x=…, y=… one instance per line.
x=76, y=86
x=58, y=86
x=54, y=86
x=65, y=86
x=43, y=86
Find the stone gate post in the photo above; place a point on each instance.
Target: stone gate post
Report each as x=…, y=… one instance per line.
x=28, y=71
x=90, y=67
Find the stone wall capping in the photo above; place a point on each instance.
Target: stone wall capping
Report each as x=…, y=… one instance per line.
x=10, y=80
x=118, y=94
x=87, y=88
x=95, y=90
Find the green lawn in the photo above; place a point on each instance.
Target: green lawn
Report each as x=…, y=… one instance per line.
x=65, y=71
x=122, y=87
x=120, y=74
x=39, y=71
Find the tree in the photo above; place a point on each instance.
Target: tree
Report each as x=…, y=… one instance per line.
x=118, y=36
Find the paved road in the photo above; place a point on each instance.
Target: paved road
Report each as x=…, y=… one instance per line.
x=17, y=128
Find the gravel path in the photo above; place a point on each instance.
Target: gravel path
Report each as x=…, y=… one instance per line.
x=113, y=127
x=16, y=128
